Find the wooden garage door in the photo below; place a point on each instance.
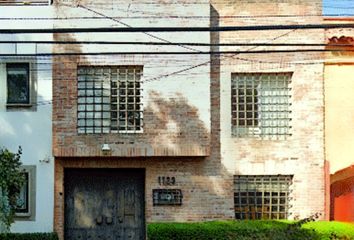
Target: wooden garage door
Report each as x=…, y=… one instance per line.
x=104, y=204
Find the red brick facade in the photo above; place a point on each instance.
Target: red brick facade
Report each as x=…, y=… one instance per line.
x=177, y=139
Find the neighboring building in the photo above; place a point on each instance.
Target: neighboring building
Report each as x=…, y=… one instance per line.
x=25, y=112
x=342, y=195
x=339, y=103
x=137, y=140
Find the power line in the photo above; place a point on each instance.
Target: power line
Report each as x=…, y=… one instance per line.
x=168, y=17
x=176, y=43
x=171, y=63
x=176, y=53
x=49, y=102
x=177, y=29
x=203, y=63
x=337, y=7
x=207, y=62
x=106, y=6
x=165, y=75
x=129, y=26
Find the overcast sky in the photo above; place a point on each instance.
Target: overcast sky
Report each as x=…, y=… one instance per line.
x=342, y=7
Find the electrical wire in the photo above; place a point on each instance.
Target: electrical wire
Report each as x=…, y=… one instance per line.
x=129, y=26
x=168, y=17
x=178, y=29
x=175, y=53
x=180, y=71
x=176, y=43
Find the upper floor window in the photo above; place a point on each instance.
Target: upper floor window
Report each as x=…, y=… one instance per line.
x=22, y=2
x=18, y=83
x=262, y=197
x=260, y=104
x=109, y=99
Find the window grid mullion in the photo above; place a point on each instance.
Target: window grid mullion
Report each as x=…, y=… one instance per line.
x=254, y=187
x=264, y=99
x=108, y=81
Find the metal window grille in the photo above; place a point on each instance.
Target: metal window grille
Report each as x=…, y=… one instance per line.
x=261, y=197
x=261, y=105
x=109, y=99
x=22, y=2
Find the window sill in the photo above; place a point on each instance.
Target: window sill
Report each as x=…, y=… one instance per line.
x=19, y=105
x=115, y=132
x=22, y=215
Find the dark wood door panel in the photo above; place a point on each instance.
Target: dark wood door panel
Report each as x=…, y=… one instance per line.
x=104, y=204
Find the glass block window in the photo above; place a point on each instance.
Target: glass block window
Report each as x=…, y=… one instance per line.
x=261, y=105
x=261, y=197
x=18, y=83
x=109, y=99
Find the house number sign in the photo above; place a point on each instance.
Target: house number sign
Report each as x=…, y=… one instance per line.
x=166, y=181
x=167, y=197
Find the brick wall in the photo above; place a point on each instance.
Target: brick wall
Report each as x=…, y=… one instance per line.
x=204, y=156
x=302, y=153
x=172, y=125
x=179, y=120
x=176, y=107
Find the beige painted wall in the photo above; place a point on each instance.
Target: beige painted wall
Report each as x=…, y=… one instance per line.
x=339, y=100
x=339, y=97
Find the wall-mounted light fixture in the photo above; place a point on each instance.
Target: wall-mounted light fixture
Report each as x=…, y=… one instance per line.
x=106, y=149
x=46, y=159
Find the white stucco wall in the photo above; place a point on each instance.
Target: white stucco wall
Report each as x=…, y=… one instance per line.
x=30, y=128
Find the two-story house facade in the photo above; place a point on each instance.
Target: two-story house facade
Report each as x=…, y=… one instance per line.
x=150, y=137
x=148, y=128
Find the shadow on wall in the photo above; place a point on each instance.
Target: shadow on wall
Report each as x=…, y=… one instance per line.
x=174, y=122
x=30, y=130
x=212, y=181
x=63, y=85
